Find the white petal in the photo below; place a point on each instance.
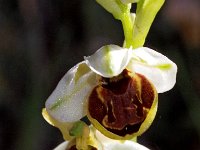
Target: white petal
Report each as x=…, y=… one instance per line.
x=127, y=145
x=62, y=146
x=110, y=144
x=66, y=103
x=160, y=70
x=109, y=60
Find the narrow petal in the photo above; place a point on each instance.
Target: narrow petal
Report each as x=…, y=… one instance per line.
x=109, y=60
x=160, y=70
x=67, y=102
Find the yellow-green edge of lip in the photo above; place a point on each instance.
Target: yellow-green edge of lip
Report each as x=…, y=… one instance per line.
x=144, y=126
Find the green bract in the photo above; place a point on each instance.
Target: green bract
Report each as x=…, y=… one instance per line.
x=129, y=1
x=145, y=14
x=115, y=7
x=135, y=32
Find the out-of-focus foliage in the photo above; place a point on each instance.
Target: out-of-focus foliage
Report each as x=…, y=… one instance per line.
x=41, y=40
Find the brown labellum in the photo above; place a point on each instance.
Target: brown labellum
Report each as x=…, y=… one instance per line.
x=120, y=105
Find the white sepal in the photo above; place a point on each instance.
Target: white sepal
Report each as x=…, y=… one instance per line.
x=110, y=144
x=160, y=70
x=62, y=146
x=67, y=102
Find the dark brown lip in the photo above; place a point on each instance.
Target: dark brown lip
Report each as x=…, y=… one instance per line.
x=122, y=103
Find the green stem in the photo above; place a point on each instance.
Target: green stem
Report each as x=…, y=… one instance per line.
x=128, y=29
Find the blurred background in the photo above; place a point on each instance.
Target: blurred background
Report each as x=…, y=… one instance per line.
x=41, y=39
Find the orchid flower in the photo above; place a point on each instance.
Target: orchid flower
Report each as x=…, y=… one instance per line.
x=116, y=88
